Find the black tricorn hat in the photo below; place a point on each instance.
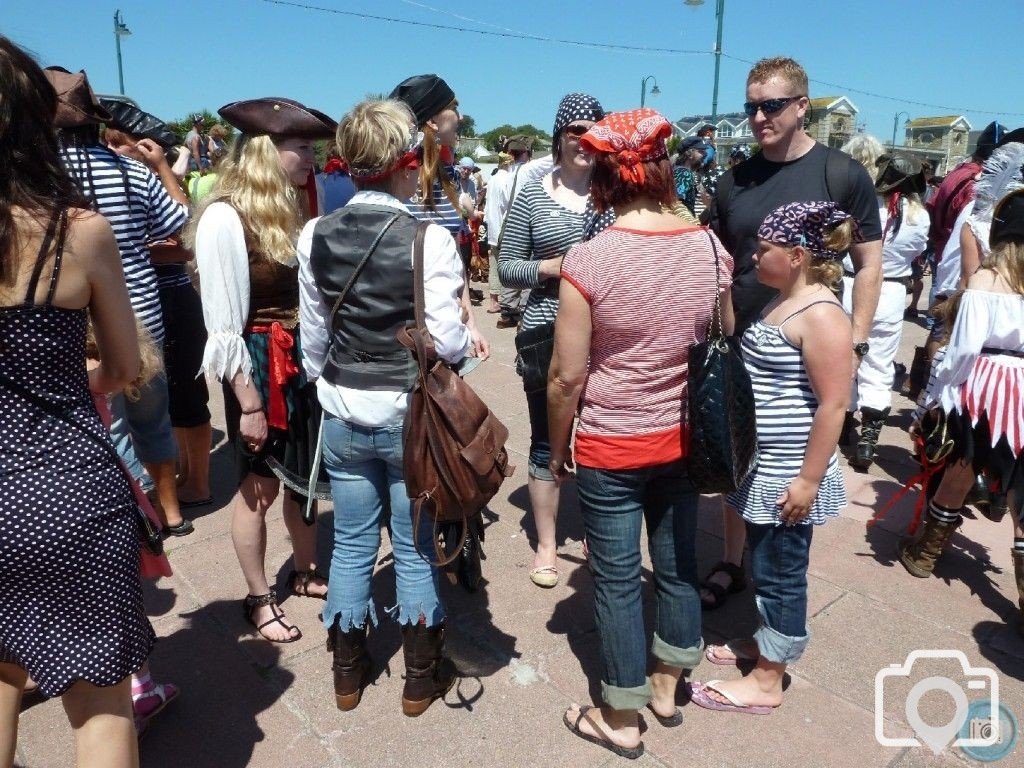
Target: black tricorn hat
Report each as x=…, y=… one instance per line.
x=1017, y=134
x=274, y=116
x=1008, y=219
x=898, y=173
x=126, y=116
x=989, y=139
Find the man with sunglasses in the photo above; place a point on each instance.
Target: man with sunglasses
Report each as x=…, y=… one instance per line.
x=790, y=167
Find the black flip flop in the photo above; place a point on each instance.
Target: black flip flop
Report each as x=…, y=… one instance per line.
x=630, y=753
x=720, y=594
x=197, y=503
x=184, y=528
x=672, y=721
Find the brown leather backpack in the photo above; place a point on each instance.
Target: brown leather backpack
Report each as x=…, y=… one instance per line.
x=454, y=447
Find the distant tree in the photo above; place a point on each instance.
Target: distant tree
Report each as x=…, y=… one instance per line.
x=467, y=127
x=492, y=138
x=184, y=125
x=672, y=144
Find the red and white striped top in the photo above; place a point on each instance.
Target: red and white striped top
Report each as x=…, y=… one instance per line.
x=651, y=295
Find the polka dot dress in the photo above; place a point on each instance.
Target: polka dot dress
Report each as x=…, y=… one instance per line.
x=70, y=595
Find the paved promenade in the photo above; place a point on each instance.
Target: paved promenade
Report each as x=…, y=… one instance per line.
x=528, y=653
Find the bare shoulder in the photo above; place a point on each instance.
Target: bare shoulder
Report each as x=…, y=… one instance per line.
x=87, y=227
x=987, y=280
x=824, y=321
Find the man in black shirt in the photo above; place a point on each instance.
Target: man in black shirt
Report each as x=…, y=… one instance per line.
x=791, y=166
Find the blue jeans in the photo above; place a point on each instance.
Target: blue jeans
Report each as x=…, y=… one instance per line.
x=615, y=503
x=141, y=429
x=365, y=468
x=540, y=441
x=779, y=555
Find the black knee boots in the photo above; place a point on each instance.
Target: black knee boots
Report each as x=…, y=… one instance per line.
x=871, y=425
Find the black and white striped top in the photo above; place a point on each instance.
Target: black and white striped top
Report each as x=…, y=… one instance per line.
x=785, y=405
x=443, y=213
x=139, y=210
x=537, y=228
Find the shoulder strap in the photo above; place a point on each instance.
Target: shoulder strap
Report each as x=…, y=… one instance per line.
x=837, y=176
x=359, y=268
x=717, y=329
x=44, y=250
x=805, y=308
x=417, y=276
x=511, y=197
x=58, y=256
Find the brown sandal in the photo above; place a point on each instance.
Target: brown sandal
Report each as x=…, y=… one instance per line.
x=252, y=602
x=299, y=581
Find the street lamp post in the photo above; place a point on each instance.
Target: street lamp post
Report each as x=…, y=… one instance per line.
x=895, y=122
x=120, y=30
x=719, y=16
x=655, y=90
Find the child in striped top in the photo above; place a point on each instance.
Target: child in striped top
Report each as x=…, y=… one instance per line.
x=800, y=364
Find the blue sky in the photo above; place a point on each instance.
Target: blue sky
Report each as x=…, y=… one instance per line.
x=189, y=54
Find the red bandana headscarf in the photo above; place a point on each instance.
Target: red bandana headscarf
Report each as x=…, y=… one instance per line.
x=633, y=137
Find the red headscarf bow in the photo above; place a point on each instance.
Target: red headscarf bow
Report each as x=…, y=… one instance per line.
x=634, y=137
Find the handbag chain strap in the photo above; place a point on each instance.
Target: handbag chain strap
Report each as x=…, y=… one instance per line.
x=717, y=329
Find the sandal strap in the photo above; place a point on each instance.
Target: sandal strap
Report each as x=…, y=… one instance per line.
x=257, y=601
x=734, y=572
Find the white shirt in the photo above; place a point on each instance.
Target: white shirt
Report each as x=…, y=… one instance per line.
x=503, y=188
x=947, y=272
x=223, y=262
x=898, y=253
x=984, y=319
x=442, y=289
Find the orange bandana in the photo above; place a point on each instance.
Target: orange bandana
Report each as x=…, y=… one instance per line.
x=633, y=137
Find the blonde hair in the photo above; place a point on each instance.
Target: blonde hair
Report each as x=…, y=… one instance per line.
x=866, y=150
x=1007, y=259
x=374, y=134
x=150, y=361
x=431, y=168
x=252, y=180
x=829, y=272
x=782, y=67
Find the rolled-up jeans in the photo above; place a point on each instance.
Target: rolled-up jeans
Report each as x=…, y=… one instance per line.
x=779, y=556
x=364, y=465
x=615, y=503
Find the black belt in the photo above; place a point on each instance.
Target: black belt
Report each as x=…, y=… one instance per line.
x=997, y=351
x=901, y=280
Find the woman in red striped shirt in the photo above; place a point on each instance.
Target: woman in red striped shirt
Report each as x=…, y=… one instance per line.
x=631, y=302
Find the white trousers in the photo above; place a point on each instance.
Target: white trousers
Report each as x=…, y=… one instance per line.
x=872, y=386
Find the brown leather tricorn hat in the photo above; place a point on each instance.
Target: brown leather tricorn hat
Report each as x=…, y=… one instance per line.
x=76, y=103
x=273, y=116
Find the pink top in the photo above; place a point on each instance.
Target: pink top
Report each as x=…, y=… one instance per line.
x=651, y=296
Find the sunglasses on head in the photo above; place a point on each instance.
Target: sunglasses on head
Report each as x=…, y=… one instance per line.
x=768, y=106
x=576, y=131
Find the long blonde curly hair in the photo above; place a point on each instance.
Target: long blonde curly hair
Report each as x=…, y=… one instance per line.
x=252, y=181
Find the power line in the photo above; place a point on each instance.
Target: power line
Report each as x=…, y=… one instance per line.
x=898, y=100
x=491, y=33
x=509, y=34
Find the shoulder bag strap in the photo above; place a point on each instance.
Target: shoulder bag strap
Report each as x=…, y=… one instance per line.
x=717, y=329
x=417, y=275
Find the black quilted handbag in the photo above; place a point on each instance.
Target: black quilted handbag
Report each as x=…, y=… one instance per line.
x=720, y=406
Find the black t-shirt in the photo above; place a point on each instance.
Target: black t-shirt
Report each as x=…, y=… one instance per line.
x=760, y=186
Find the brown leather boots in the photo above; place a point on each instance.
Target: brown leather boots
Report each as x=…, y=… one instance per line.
x=429, y=675
x=351, y=665
x=919, y=556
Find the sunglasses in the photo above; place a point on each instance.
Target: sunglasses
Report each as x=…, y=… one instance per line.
x=576, y=131
x=768, y=106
